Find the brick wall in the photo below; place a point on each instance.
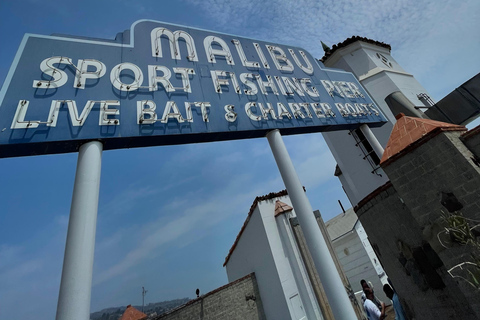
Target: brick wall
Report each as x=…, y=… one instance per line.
x=239, y=299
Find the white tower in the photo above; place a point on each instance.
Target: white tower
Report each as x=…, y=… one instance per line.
x=370, y=61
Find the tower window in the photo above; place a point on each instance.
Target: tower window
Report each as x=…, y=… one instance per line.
x=426, y=100
x=385, y=60
x=367, y=149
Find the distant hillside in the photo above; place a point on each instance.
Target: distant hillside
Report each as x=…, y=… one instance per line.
x=158, y=307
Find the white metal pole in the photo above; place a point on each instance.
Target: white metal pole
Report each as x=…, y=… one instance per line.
x=76, y=283
x=377, y=147
x=336, y=294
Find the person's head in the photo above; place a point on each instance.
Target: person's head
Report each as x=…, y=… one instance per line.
x=388, y=291
x=365, y=286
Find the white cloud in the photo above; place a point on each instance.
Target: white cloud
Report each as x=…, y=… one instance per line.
x=426, y=36
x=9, y=254
x=192, y=219
x=21, y=271
x=185, y=217
x=124, y=201
x=30, y=272
x=316, y=170
x=110, y=242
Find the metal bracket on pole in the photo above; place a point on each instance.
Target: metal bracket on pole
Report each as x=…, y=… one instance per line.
x=336, y=294
x=76, y=283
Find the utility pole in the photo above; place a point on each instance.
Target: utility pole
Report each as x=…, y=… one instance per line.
x=144, y=292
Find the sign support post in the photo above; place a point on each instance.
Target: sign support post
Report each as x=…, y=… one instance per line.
x=76, y=284
x=377, y=147
x=334, y=288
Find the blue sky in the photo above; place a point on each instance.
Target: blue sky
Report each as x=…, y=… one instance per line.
x=168, y=215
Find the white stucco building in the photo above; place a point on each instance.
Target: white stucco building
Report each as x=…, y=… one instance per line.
x=378, y=72
x=355, y=253
x=267, y=247
x=271, y=245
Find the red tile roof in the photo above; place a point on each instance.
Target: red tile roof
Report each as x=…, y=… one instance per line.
x=471, y=133
x=410, y=132
x=281, y=207
x=133, y=314
x=351, y=40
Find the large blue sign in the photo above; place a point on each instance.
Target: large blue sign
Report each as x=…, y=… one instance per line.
x=161, y=84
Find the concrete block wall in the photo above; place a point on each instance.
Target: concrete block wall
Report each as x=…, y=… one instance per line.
x=442, y=166
x=238, y=300
x=472, y=141
x=396, y=235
